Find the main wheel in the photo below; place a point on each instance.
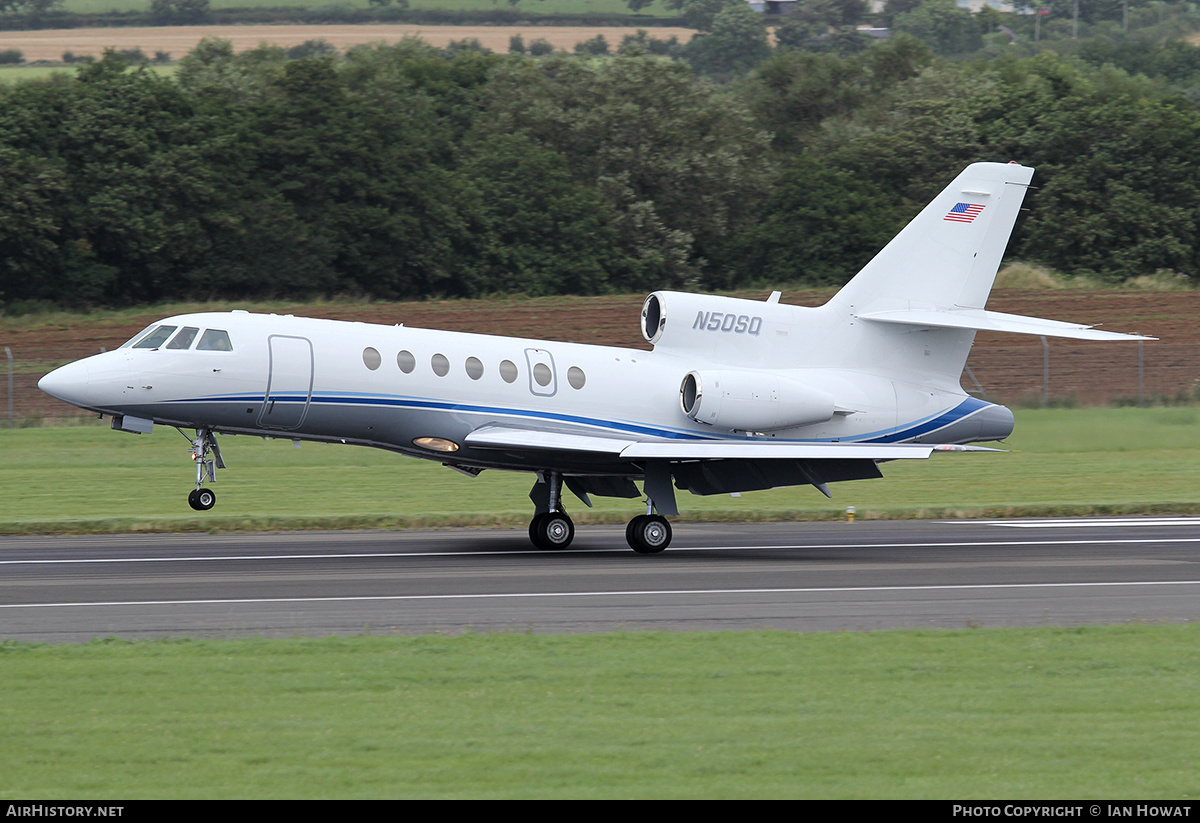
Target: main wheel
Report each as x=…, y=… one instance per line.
x=202, y=499
x=552, y=530
x=648, y=533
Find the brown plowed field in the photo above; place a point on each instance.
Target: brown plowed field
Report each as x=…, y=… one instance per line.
x=179, y=40
x=1009, y=367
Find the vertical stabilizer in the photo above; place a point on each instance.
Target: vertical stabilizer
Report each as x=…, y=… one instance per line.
x=947, y=257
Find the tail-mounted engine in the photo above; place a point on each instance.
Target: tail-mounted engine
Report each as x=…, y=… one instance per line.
x=707, y=322
x=752, y=401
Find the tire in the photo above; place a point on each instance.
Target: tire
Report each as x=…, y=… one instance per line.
x=648, y=533
x=533, y=529
x=554, y=531
x=202, y=499
x=630, y=526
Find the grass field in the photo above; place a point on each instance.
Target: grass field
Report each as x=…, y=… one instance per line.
x=88, y=478
x=1048, y=713
x=1103, y=712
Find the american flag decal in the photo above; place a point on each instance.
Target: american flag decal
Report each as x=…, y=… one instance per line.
x=963, y=212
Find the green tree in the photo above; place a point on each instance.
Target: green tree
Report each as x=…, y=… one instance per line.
x=824, y=25
x=180, y=11
x=678, y=162
x=595, y=47
x=738, y=43
x=531, y=228
x=108, y=164
x=697, y=14
x=942, y=26
x=820, y=225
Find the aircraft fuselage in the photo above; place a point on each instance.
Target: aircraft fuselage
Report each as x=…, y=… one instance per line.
x=397, y=387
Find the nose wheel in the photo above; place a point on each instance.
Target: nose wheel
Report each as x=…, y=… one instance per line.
x=202, y=499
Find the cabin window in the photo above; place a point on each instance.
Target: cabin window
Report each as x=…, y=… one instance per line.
x=184, y=339
x=129, y=342
x=406, y=361
x=474, y=368
x=576, y=377
x=155, y=338
x=214, y=340
x=371, y=358
x=542, y=374
x=508, y=370
x=441, y=365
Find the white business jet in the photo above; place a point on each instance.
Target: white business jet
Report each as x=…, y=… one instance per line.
x=737, y=395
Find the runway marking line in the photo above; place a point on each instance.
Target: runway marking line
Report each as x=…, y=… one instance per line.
x=634, y=593
x=1088, y=522
x=622, y=551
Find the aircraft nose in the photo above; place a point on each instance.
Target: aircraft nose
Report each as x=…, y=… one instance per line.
x=68, y=383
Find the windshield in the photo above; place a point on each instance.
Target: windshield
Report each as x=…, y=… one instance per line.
x=129, y=342
x=155, y=338
x=184, y=339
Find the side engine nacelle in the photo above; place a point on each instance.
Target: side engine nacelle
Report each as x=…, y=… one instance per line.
x=752, y=401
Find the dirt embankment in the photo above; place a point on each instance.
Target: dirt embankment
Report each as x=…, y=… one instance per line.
x=179, y=40
x=1010, y=368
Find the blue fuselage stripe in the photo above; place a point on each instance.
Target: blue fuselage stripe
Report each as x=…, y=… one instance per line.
x=895, y=435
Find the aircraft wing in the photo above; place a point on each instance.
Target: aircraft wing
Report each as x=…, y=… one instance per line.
x=504, y=437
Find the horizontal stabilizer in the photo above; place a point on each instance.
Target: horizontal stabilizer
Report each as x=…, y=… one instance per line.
x=982, y=320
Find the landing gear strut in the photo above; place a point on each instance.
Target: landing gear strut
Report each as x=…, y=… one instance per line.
x=551, y=528
x=202, y=499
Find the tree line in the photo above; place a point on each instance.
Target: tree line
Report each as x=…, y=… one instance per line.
x=401, y=171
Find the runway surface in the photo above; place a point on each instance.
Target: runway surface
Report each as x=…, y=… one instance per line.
x=791, y=576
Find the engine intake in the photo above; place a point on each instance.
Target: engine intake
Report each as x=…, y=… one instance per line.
x=752, y=401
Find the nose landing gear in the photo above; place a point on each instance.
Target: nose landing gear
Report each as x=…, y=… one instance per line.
x=205, y=442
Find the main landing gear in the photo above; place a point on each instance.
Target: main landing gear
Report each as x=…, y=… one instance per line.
x=552, y=528
x=648, y=533
x=204, y=444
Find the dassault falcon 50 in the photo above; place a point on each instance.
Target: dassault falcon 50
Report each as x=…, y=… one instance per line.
x=736, y=395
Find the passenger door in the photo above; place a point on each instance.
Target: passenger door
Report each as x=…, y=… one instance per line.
x=289, y=382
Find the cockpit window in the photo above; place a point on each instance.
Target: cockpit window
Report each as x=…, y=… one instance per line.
x=155, y=338
x=131, y=340
x=184, y=339
x=214, y=340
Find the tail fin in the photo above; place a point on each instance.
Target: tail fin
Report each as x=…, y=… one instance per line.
x=913, y=311
x=947, y=257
